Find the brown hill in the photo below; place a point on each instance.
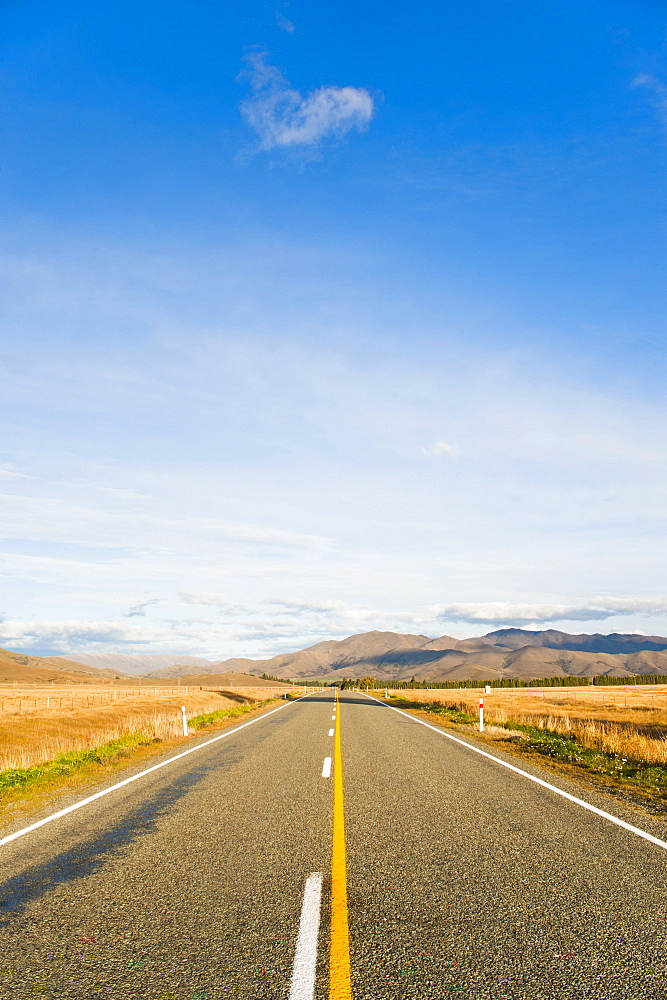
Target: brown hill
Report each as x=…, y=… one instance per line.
x=318, y=660
x=390, y=655
x=225, y=680
x=517, y=653
x=48, y=669
x=515, y=638
x=237, y=665
x=139, y=663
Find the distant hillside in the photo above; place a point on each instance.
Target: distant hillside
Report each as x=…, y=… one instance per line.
x=237, y=664
x=504, y=653
x=225, y=680
x=140, y=663
x=46, y=669
x=318, y=660
x=510, y=652
x=514, y=638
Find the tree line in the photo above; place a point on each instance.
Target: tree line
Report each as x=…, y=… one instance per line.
x=601, y=680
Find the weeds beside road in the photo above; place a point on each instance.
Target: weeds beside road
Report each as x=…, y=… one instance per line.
x=73, y=721
x=28, y=786
x=620, y=757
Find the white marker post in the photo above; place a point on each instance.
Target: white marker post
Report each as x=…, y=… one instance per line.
x=185, y=721
x=481, y=715
x=487, y=689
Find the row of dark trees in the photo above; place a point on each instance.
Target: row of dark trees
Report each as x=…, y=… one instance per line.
x=601, y=680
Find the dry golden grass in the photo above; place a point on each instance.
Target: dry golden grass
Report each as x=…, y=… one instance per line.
x=37, y=725
x=625, y=720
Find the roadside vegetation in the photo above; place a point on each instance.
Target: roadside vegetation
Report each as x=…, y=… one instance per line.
x=624, y=754
x=16, y=782
x=34, y=730
x=223, y=715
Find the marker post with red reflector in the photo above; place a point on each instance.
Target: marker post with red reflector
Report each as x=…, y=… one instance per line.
x=481, y=715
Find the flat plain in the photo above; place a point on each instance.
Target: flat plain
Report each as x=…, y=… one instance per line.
x=39, y=722
x=465, y=878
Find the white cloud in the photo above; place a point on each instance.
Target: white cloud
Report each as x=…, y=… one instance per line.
x=505, y=613
x=27, y=517
x=657, y=88
x=284, y=23
x=255, y=631
x=282, y=117
x=139, y=610
x=77, y=634
x=440, y=449
x=206, y=599
x=301, y=607
x=290, y=466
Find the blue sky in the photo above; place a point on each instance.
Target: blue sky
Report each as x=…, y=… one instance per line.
x=322, y=318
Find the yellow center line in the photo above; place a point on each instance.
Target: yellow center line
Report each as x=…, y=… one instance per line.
x=340, y=984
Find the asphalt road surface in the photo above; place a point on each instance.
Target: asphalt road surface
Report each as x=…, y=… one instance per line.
x=464, y=879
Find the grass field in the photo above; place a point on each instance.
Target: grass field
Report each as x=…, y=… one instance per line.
x=627, y=722
x=38, y=724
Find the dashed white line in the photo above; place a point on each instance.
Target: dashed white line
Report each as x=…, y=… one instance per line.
x=326, y=769
x=331, y=732
x=333, y=718
x=305, y=957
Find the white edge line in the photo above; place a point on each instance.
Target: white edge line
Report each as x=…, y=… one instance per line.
x=531, y=777
x=326, y=768
x=305, y=957
x=135, y=777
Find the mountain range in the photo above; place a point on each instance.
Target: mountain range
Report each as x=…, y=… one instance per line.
x=20, y=668
x=510, y=652
x=504, y=653
x=139, y=663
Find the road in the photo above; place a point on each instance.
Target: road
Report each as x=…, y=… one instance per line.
x=464, y=879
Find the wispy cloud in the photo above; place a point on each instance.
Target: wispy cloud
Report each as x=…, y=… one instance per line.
x=76, y=635
x=139, y=610
x=282, y=117
x=502, y=612
x=299, y=607
x=658, y=91
x=206, y=599
x=26, y=516
x=441, y=449
x=284, y=22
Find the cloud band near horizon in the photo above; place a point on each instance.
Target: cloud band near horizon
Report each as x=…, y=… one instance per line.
x=288, y=625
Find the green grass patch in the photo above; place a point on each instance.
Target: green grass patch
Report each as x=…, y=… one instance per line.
x=649, y=780
x=559, y=747
x=16, y=779
x=67, y=763
x=450, y=713
x=202, y=721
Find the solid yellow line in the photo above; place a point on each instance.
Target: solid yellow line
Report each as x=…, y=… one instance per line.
x=340, y=984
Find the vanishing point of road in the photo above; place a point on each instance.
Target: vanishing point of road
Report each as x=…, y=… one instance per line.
x=335, y=849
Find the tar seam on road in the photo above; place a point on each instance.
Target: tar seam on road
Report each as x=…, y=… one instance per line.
x=340, y=983
x=531, y=777
x=135, y=777
x=305, y=957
